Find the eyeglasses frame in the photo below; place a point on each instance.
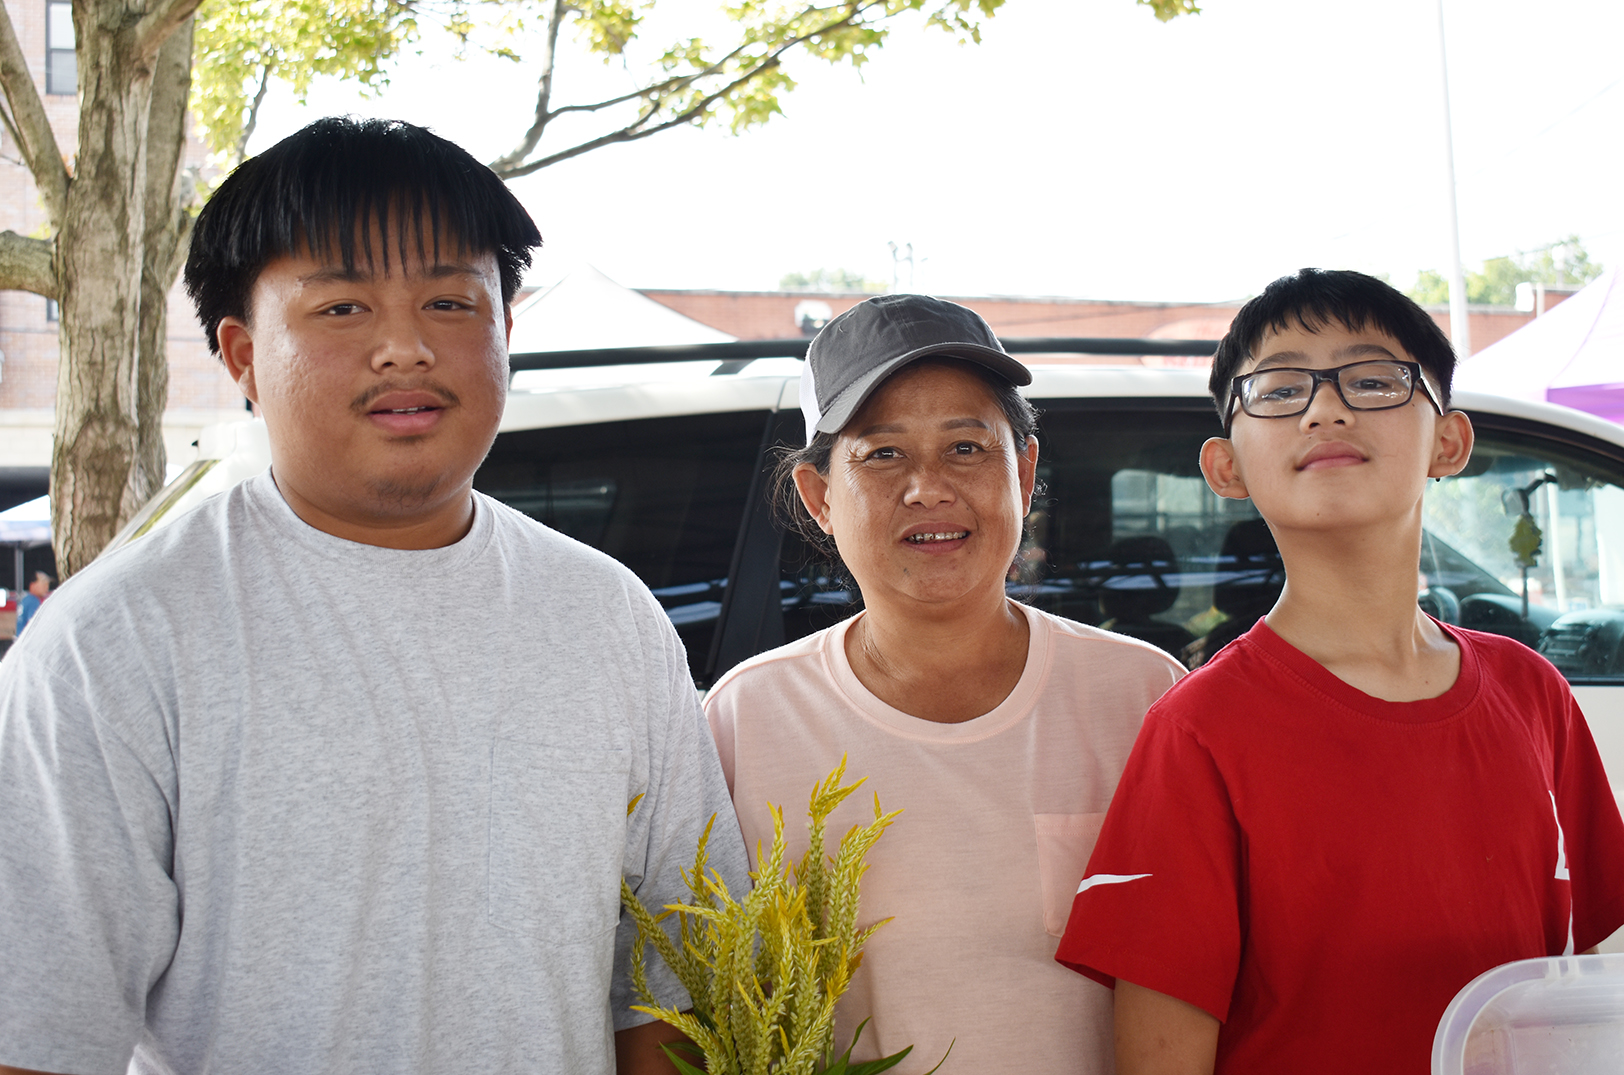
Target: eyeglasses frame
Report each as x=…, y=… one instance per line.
x=1332, y=376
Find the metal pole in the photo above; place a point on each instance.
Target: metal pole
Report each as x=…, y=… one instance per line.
x=1460, y=329
x=1553, y=530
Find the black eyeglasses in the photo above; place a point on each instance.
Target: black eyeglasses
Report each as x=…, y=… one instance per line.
x=1285, y=392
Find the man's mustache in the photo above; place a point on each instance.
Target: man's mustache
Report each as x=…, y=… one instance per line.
x=363, y=403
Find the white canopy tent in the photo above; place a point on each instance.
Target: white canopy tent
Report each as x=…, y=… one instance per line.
x=1573, y=355
x=586, y=309
x=29, y=523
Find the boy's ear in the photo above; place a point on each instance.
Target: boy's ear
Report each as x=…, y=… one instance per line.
x=1452, y=447
x=237, y=352
x=1218, y=467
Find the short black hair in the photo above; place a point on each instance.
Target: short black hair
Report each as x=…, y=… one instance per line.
x=326, y=186
x=1314, y=298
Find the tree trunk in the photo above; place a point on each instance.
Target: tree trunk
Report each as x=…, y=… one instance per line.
x=167, y=231
x=112, y=379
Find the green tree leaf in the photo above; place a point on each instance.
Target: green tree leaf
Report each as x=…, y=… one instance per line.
x=239, y=47
x=829, y=280
x=1564, y=263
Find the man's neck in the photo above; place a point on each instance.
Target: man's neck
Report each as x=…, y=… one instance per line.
x=1350, y=604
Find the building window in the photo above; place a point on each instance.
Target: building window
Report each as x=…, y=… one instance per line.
x=61, y=67
x=53, y=312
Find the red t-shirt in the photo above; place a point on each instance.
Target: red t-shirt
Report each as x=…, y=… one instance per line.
x=1323, y=870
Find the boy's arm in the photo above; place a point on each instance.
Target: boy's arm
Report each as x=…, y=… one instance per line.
x=1592, y=831
x=1161, y=1035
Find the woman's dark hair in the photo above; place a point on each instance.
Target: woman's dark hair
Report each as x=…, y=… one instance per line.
x=792, y=514
x=1314, y=298
x=324, y=188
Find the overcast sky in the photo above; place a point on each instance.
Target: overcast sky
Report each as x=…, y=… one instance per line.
x=1085, y=149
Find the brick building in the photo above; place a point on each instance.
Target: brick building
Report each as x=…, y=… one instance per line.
x=200, y=393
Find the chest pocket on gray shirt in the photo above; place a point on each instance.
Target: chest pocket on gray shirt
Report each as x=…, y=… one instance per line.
x=557, y=839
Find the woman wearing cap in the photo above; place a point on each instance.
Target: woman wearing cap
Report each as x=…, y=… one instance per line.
x=998, y=729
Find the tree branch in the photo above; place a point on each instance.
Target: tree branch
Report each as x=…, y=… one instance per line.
x=544, y=94
x=166, y=138
x=635, y=131
x=156, y=26
x=509, y=166
x=5, y=120
x=680, y=82
x=11, y=129
x=253, y=114
x=171, y=188
x=166, y=141
x=26, y=265
x=30, y=126
x=667, y=86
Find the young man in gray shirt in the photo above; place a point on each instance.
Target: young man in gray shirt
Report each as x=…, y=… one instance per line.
x=255, y=825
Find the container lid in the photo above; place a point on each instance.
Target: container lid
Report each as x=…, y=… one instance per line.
x=1561, y=1013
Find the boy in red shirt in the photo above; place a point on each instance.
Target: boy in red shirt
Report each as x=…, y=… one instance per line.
x=1352, y=810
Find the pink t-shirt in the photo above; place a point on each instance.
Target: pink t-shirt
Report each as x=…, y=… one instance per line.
x=999, y=816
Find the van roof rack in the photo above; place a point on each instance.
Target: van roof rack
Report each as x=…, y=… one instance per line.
x=739, y=353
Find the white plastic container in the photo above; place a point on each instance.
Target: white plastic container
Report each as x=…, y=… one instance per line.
x=1563, y=1015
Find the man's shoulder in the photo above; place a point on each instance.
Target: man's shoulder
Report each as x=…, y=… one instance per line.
x=569, y=564
x=169, y=558
x=112, y=622
x=516, y=528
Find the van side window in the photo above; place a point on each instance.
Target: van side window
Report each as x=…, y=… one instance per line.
x=1529, y=542
x=1128, y=537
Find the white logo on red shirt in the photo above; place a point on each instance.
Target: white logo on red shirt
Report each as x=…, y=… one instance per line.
x=1108, y=879
x=1562, y=867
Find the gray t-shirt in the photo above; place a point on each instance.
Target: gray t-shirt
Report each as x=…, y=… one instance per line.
x=275, y=801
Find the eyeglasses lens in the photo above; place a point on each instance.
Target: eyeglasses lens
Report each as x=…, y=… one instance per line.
x=1364, y=385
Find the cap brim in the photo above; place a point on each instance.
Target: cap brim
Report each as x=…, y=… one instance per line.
x=845, y=405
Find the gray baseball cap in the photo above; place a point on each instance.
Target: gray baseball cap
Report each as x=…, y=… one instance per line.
x=858, y=350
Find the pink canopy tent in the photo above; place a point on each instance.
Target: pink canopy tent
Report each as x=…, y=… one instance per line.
x=1574, y=355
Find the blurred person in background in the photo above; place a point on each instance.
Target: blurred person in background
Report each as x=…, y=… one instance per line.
x=39, y=588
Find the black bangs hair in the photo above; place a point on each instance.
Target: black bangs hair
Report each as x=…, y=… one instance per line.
x=325, y=188
x=1314, y=298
